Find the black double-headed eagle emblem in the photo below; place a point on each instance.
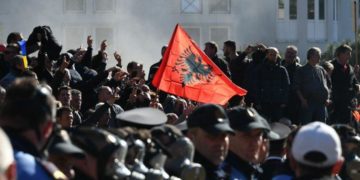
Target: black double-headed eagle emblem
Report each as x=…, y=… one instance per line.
x=191, y=68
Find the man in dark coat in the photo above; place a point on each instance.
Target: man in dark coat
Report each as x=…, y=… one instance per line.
x=210, y=50
x=291, y=64
x=344, y=85
x=272, y=87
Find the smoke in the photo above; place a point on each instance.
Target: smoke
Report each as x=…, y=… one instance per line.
x=132, y=28
x=135, y=28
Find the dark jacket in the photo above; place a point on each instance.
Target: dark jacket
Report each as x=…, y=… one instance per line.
x=222, y=64
x=273, y=84
x=271, y=167
x=152, y=71
x=343, y=83
x=240, y=169
x=238, y=69
x=312, y=83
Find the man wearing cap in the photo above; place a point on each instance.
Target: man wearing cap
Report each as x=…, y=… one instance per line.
x=275, y=161
x=250, y=131
x=209, y=129
x=316, y=152
x=350, y=141
x=27, y=117
x=63, y=153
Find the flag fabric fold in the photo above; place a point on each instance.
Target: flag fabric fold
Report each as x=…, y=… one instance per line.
x=186, y=71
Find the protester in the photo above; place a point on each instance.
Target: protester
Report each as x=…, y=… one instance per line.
x=344, y=85
x=312, y=88
x=210, y=50
x=272, y=87
x=291, y=63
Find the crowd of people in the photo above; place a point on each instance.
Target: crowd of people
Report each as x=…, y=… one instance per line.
x=64, y=114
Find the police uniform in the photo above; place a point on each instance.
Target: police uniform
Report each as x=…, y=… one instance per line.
x=213, y=172
x=28, y=162
x=240, y=169
x=245, y=120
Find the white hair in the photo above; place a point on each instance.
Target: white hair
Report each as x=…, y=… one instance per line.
x=6, y=152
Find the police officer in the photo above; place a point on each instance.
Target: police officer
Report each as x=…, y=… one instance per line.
x=251, y=129
x=209, y=130
x=28, y=117
x=350, y=142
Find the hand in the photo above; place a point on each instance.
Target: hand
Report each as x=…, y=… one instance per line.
x=190, y=108
x=117, y=57
x=120, y=75
x=261, y=47
x=249, y=49
x=103, y=45
x=89, y=41
x=65, y=63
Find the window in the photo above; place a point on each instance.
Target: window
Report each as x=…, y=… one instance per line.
x=75, y=6
x=104, y=6
x=281, y=9
x=194, y=33
x=191, y=6
x=316, y=26
x=321, y=9
x=311, y=9
x=219, y=35
x=293, y=9
x=286, y=24
x=219, y=7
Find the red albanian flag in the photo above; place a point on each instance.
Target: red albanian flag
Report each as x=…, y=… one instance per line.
x=188, y=72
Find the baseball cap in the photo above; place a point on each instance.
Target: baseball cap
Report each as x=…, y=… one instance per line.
x=246, y=119
x=210, y=117
x=317, y=145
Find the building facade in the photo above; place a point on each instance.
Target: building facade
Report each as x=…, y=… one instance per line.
x=138, y=28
